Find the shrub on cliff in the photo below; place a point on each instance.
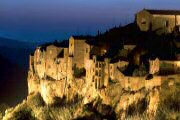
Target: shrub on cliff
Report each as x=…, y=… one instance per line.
x=3, y=108
x=35, y=100
x=169, y=107
x=20, y=112
x=79, y=72
x=137, y=108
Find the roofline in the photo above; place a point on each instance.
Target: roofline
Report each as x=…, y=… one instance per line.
x=164, y=11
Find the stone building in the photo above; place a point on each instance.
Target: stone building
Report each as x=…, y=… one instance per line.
x=77, y=50
x=52, y=53
x=39, y=62
x=161, y=21
x=50, y=62
x=98, y=67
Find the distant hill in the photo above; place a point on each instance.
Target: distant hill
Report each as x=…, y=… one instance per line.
x=13, y=84
x=19, y=56
x=14, y=60
x=6, y=42
x=16, y=52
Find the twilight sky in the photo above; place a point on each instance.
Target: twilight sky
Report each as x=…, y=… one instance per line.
x=44, y=20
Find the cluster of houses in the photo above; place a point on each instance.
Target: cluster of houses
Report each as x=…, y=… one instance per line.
x=59, y=61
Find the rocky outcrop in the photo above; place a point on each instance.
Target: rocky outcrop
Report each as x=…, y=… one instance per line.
x=113, y=102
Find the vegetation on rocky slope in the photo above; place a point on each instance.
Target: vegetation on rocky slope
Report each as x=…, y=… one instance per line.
x=144, y=107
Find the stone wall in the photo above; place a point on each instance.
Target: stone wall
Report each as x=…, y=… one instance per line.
x=137, y=83
x=170, y=66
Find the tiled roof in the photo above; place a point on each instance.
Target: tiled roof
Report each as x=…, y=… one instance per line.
x=164, y=12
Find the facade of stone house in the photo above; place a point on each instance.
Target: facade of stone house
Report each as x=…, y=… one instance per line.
x=98, y=67
x=160, y=21
x=50, y=62
x=77, y=50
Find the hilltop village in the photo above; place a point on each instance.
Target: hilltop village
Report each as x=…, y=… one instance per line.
x=118, y=66
x=84, y=57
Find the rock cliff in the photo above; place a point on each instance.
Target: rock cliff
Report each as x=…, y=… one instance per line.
x=82, y=101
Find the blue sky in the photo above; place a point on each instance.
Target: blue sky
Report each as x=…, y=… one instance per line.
x=44, y=20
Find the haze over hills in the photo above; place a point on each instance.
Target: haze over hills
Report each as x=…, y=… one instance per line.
x=10, y=43
x=16, y=51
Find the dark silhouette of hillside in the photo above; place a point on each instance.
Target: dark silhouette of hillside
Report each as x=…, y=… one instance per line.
x=13, y=83
x=165, y=46
x=16, y=52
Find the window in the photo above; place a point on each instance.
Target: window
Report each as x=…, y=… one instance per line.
x=143, y=21
x=96, y=72
x=99, y=72
x=166, y=23
x=96, y=64
x=86, y=50
x=99, y=64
